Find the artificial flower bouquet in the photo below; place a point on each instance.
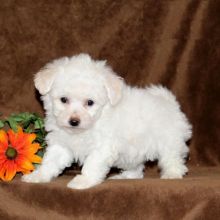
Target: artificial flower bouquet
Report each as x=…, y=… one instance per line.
x=22, y=144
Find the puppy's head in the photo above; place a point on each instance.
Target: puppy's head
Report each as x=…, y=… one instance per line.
x=75, y=90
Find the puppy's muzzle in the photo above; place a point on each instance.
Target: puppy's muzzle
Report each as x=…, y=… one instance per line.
x=74, y=122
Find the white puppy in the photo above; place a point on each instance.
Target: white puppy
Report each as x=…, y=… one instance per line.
x=95, y=119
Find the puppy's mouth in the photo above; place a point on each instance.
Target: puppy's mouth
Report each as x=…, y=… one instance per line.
x=73, y=130
x=74, y=125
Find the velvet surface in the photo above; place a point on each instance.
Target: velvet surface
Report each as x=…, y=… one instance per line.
x=197, y=196
x=175, y=43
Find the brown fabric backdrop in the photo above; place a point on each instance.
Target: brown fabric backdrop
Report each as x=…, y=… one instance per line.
x=175, y=43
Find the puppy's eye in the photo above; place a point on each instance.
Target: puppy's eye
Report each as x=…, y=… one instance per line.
x=64, y=99
x=90, y=102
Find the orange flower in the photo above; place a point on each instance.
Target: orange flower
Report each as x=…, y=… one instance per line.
x=17, y=153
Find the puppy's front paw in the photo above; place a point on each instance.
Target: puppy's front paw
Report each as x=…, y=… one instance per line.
x=81, y=182
x=35, y=177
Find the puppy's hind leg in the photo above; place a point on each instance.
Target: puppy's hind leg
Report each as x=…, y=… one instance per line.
x=136, y=173
x=172, y=165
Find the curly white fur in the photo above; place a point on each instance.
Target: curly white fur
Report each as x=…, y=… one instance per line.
x=123, y=128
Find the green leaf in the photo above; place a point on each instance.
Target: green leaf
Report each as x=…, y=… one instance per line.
x=38, y=124
x=17, y=118
x=31, y=123
x=29, y=130
x=40, y=153
x=2, y=124
x=13, y=124
x=25, y=124
x=25, y=115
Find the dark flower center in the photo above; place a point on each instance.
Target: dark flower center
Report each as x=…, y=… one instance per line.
x=11, y=153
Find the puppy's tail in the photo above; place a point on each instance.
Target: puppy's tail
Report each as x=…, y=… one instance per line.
x=166, y=94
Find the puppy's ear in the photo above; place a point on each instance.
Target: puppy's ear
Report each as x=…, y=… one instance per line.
x=44, y=79
x=114, y=85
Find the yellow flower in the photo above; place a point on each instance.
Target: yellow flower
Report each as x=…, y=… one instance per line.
x=17, y=153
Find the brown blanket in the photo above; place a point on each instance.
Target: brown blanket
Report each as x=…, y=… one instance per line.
x=195, y=197
x=175, y=43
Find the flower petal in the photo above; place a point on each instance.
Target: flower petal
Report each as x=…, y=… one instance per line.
x=3, y=138
x=3, y=158
x=36, y=159
x=27, y=165
x=2, y=149
x=16, y=138
x=31, y=137
x=13, y=137
x=32, y=149
x=21, y=140
x=10, y=171
x=26, y=149
x=9, y=175
x=2, y=172
x=24, y=171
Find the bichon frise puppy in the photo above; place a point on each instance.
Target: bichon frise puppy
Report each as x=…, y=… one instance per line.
x=94, y=118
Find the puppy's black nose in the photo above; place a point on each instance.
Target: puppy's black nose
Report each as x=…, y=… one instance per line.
x=74, y=122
